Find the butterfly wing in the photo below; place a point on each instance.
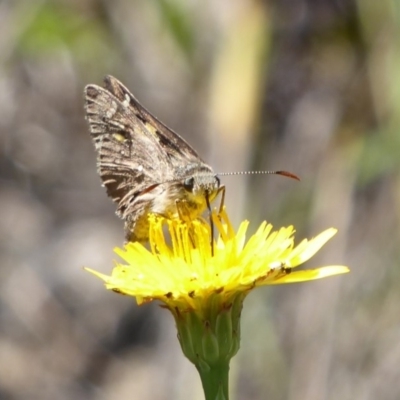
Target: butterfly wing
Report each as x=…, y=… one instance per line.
x=130, y=159
x=179, y=152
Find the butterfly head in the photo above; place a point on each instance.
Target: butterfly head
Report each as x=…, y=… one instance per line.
x=194, y=190
x=198, y=191
x=202, y=185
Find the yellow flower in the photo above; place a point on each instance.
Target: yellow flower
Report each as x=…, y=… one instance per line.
x=186, y=273
x=204, y=285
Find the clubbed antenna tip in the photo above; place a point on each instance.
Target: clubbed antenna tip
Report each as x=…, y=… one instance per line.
x=288, y=174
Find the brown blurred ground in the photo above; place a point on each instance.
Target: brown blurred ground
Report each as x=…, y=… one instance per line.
x=308, y=86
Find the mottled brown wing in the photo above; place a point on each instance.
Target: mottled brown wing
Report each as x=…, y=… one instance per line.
x=179, y=152
x=130, y=158
x=145, y=166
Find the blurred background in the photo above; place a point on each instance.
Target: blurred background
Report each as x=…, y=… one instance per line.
x=309, y=86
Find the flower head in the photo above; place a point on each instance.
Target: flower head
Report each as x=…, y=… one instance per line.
x=189, y=271
x=204, y=284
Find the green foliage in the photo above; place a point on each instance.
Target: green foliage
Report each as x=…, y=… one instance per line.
x=178, y=22
x=55, y=26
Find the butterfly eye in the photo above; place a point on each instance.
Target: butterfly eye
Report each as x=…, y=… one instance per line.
x=188, y=184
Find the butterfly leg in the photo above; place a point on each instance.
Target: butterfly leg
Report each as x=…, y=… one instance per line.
x=221, y=190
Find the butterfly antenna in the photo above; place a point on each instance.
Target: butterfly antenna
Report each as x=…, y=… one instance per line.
x=283, y=173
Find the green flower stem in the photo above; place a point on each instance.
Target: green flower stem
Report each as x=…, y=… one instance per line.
x=209, y=334
x=215, y=381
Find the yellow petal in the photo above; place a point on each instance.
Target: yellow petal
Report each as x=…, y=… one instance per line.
x=307, y=248
x=311, y=274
